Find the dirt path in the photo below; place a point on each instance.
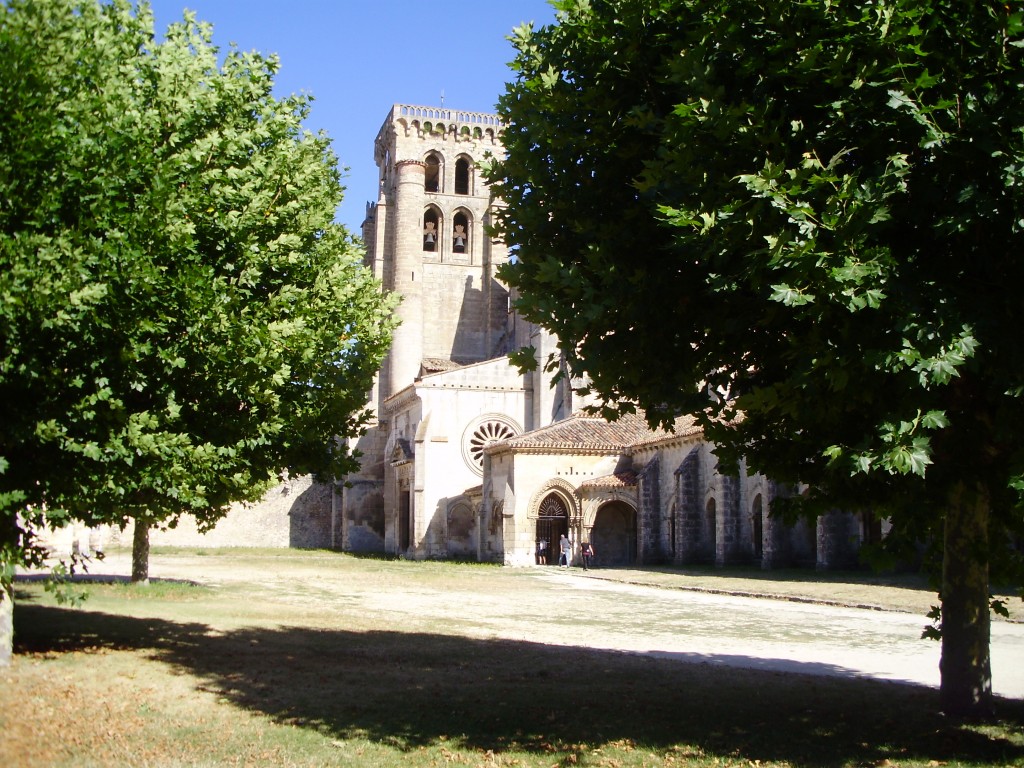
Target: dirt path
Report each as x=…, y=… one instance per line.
x=574, y=608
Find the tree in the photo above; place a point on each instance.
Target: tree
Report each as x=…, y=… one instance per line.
x=181, y=319
x=802, y=223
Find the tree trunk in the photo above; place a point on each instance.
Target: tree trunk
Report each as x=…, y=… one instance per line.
x=6, y=625
x=9, y=545
x=965, y=666
x=140, y=553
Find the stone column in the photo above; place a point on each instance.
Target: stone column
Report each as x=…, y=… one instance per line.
x=775, y=538
x=690, y=510
x=407, y=345
x=730, y=541
x=375, y=259
x=651, y=544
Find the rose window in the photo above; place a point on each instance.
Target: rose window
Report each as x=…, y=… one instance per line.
x=486, y=432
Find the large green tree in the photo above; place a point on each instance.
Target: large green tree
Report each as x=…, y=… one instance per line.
x=181, y=319
x=801, y=222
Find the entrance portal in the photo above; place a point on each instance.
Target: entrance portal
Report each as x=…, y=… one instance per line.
x=614, y=534
x=552, y=524
x=403, y=521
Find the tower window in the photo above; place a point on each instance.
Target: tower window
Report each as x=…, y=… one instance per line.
x=432, y=174
x=430, y=231
x=462, y=176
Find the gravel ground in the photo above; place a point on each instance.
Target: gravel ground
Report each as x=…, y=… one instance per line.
x=607, y=609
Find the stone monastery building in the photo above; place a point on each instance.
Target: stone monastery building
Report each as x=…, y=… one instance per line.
x=471, y=459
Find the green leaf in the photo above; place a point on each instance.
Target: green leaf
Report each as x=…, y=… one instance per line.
x=791, y=297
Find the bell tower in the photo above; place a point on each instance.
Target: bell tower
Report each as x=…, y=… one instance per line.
x=446, y=388
x=426, y=240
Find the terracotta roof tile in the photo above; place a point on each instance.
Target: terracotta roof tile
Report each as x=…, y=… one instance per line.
x=592, y=433
x=584, y=432
x=437, y=364
x=683, y=426
x=618, y=480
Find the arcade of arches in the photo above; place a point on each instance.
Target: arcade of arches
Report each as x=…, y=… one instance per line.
x=612, y=533
x=640, y=497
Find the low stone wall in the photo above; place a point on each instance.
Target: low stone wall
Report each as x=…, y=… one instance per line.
x=296, y=513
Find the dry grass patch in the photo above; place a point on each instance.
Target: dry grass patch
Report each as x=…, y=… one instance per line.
x=186, y=675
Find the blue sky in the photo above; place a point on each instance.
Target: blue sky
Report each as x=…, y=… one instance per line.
x=357, y=58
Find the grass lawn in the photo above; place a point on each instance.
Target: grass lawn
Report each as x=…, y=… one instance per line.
x=226, y=673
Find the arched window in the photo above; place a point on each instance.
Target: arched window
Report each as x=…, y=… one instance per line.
x=757, y=527
x=553, y=507
x=431, y=231
x=432, y=174
x=385, y=171
x=460, y=233
x=462, y=176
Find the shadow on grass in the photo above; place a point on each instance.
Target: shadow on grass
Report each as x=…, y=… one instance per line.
x=864, y=576
x=89, y=578
x=412, y=689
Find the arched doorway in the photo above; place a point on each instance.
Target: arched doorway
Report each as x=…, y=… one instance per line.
x=404, y=512
x=461, y=532
x=757, y=528
x=552, y=524
x=614, y=534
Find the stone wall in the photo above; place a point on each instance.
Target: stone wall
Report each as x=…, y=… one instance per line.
x=838, y=541
x=296, y=513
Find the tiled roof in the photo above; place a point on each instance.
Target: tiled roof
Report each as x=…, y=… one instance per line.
x=618, y=480
x=683, y=426
x=592, y=433
x=437, y=364
x=583, y=432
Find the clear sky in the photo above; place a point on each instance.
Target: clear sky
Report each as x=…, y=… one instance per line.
x=358, y=57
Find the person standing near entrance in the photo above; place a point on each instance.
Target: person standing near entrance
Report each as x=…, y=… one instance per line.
x=587, y=550
x=565, y=547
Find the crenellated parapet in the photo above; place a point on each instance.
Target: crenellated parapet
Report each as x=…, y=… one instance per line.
x=408, y=121
x=447, y=115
